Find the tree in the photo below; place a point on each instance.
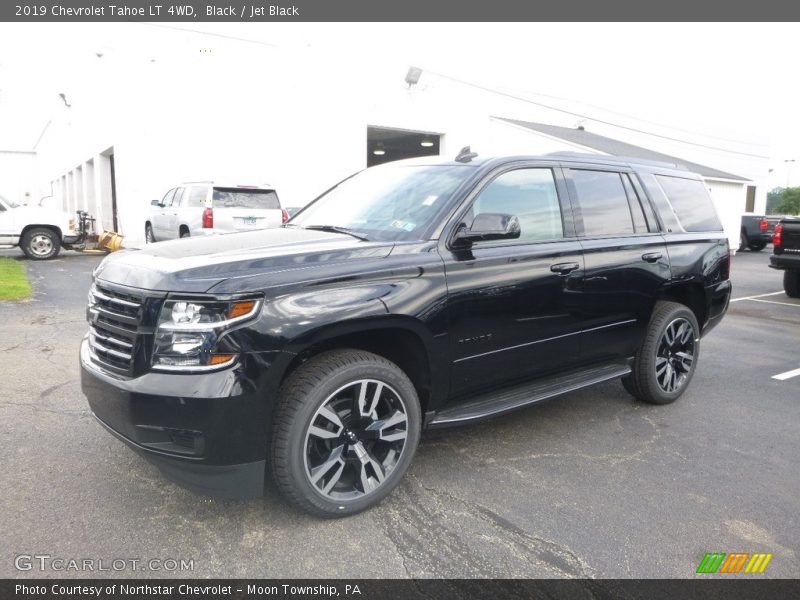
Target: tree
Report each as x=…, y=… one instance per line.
x=789, y=201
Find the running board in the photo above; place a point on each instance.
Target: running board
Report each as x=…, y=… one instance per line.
x=496, y=403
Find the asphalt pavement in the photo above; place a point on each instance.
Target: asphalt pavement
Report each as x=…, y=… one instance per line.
x=589, y=484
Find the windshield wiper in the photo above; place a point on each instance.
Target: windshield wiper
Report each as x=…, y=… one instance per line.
x=336, y=229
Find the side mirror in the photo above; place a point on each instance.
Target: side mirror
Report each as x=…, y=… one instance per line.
x=155, y=202
x=490, y=226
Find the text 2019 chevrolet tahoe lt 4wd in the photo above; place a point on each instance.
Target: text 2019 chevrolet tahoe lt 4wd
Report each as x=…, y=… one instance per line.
x=414, y=294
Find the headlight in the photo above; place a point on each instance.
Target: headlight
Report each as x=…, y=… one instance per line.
x=189, y=330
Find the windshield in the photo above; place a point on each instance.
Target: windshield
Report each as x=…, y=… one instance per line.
x=8, y=202
x=390, y=202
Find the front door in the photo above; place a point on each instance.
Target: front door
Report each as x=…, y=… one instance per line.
x=509, y=300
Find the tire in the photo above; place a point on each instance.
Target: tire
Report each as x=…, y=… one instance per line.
x=149, y=238
x=662, y=371
x=791, y=283
x=324, y=458
x=742, y=241
x=184, y=233
x=40, y=243
x=757, y=247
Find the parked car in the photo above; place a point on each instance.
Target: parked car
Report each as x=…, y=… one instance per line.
x=756, y=231
x=40, y=232
x=412, y=295
x=786, y=254
x=205, y=208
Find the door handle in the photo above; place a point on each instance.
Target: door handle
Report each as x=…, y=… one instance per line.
x=564, y=268
x=652, y=257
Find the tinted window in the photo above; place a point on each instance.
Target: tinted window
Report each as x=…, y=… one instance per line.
x=528, y=194
x=691, y=203
x=197, y=196
x=167, y=199
x=603, y=202
x=245, y=198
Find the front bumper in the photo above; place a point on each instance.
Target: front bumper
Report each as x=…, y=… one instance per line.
x=205, y=431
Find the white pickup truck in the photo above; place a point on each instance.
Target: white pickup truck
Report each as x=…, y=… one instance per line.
x=39, y=231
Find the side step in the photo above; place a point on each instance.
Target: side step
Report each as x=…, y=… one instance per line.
x=505, y=400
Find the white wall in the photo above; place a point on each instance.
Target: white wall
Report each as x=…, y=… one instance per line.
x=729, y=198
x=18, y=177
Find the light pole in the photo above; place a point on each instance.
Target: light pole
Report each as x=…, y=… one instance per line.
x=788, y=162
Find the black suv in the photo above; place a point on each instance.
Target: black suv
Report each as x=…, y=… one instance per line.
x=414, y=294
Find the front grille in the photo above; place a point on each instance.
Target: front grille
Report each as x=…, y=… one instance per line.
x=115, y=318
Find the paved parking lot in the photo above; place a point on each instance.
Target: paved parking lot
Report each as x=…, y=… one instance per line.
x=589, y=484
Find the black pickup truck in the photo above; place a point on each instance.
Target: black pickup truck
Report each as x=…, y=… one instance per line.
x=411, y=295
x=756, y=231
x=786, y=254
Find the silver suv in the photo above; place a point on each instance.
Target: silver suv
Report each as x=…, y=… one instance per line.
x=205, y=208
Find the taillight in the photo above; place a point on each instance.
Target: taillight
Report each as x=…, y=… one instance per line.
x=763, y=225
x=208, y=218
x=777, y=235
x=284, y=215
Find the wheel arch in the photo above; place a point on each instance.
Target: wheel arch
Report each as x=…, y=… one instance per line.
x=401, y=340
x=691, y=295
x=55, y=228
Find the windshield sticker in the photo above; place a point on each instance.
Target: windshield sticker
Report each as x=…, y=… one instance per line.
x=404, y=225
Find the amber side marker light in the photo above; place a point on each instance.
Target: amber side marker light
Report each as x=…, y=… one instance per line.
x=218, y=359
x=241, y=308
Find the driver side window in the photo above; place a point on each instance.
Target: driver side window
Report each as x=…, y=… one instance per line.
x=528, y=194
x=167, y=200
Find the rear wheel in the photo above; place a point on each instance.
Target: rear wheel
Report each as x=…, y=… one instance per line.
x=40, y=243
x=346, y=427
x=791, y=283
x=757, y=247
x=742, y=241
x=184, y=233
x=666, y=361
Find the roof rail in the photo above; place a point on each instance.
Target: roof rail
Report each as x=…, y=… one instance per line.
x=616, y=159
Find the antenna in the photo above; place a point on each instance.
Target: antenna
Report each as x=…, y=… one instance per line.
x=465, y=155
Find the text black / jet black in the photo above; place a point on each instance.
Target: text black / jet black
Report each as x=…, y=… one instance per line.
x=451, y=292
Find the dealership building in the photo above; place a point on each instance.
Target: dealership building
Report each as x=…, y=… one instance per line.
x=252, y=114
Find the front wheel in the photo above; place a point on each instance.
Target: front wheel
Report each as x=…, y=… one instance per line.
x=791, y=283
x=40, y=243
x=667, y=359
x=346, y=428
x=149, y=238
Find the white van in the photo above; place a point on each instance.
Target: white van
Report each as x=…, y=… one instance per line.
x=206, y=208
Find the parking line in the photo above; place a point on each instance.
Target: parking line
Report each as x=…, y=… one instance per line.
x=787, y=375
x=756, y=296
x=773, y=302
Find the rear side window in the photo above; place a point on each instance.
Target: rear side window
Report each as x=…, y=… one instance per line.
x=245, y=198
x=603, y=202
x=691, y=203
x=197, y=196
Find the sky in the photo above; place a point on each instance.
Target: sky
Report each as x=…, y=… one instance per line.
x=731, y=87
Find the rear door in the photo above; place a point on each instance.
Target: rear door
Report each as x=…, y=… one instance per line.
x=243, y=209
x=160, y=216
x=625, y=258
x=509, y=300
x=171, y=214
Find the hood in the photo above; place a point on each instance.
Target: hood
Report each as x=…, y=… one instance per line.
x=199, y=264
